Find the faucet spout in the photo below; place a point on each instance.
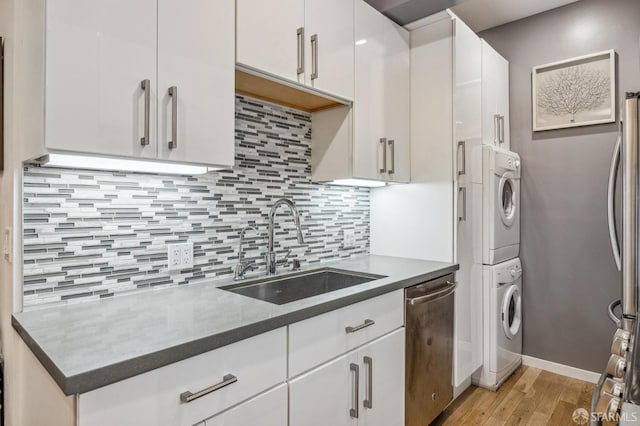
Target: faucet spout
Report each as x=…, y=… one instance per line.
x=271, y=257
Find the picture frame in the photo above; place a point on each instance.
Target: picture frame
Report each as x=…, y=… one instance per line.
x=575, y=92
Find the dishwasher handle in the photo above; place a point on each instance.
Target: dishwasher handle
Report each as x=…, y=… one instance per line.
x=449, y=289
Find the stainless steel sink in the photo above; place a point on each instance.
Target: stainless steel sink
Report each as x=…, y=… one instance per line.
x=286, y=289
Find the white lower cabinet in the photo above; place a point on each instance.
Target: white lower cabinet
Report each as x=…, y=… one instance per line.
x=268, y=409
x=189, y=391
x=363, y=387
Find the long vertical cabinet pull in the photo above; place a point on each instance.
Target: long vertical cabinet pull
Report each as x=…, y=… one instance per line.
x=496, y=130
x=314, y=56
x=383, y=144
x=355, y=369
x=173, y=92
x=392, y=154
x=368, y=402
x=300, y=35
x=462, y=166
x=463, y=217
x=501, y=126
x=145, y=85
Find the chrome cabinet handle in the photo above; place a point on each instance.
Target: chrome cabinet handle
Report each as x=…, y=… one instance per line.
x=365, y=324
x=173, y=92
x=300, y=36
x=314, y=56
x=611, y=191
x=145, y=85
x=496, y=132
x=353, y=412
x=368, y=402
x=501, y=127
x=227, y=380
x=462, y=170
x=463, y=217
x=383, y=142
x=392, y=146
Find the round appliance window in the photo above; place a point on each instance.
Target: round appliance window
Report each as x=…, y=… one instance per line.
x=512, y=312
x=507, y=207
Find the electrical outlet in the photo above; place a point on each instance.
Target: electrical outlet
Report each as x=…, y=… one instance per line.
x=174, y=252
x=7, y=246
x=187, y=255
x=348, y=238
x=180, y=256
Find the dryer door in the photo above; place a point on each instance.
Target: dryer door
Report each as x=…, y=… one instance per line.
x=507, y=199
x=512, y=311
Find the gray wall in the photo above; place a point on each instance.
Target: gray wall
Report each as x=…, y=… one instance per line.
x=569, y=272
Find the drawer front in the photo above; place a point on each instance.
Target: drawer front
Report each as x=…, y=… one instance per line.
x=154, y=398
x=268, y=409
x=318, y=339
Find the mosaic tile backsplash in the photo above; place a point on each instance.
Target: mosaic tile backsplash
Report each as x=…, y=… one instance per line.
x=89, y=234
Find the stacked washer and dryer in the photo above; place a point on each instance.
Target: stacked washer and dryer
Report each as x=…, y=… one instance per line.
x=496, y=187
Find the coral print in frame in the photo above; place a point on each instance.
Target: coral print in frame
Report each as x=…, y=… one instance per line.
x=575, y=92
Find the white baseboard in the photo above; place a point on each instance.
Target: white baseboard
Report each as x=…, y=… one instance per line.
x=564, y=370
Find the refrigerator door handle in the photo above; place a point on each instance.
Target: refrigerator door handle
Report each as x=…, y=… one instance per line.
x=611, y=191
x=612, y=315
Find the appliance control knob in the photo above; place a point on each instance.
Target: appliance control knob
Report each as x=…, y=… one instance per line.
x=613, y=386
x=616, y=366
x=623, y=334
x=514, y=272
x=607, y=405
x=619, y=346
x=516, y=164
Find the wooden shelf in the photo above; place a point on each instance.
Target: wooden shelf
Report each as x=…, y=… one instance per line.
x=269, y=89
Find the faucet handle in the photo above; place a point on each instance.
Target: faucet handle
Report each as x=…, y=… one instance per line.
x=284, y=260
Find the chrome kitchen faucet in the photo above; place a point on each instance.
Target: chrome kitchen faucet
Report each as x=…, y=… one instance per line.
x=271, y=255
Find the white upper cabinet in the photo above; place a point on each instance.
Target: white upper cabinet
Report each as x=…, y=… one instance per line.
x=495, y=98
x=270, y=36
x=329, y=46
x=109, y=66
x=381, y=108
x=98, y=53
x=373, y=141
x=196, y=100
x=304, y=41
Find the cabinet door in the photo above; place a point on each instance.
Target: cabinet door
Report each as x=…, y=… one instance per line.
x=369, y=109
x=503, y=98
x=490, y=88
x=329, y=46
x=325, y=395
x=382, y=381
x=98, y=53
x=397, y=101
x=268, y=409
x=381, y=108
x=196, y=58
x=267, y=36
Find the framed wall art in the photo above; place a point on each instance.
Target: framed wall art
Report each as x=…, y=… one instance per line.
x=575, y=92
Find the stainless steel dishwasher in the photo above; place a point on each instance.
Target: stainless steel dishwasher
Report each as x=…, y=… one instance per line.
x=429, y=349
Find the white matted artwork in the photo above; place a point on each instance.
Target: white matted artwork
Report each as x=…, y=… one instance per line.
x=576, y=92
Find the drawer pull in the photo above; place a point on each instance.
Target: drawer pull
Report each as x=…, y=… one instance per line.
x=226, y=381
x=365, y=324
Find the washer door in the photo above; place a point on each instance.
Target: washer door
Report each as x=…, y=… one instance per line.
x=507, y=198
x=512, y=311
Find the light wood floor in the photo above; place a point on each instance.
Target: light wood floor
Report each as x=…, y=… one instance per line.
x=529, y=397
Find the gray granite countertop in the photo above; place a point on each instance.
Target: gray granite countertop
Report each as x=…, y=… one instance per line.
x=89, y=345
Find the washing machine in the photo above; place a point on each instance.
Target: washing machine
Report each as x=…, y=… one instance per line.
x=502, y=323
x=496, y=187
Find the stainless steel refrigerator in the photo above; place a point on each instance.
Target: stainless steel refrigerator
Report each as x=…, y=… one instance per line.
x=616, y=398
